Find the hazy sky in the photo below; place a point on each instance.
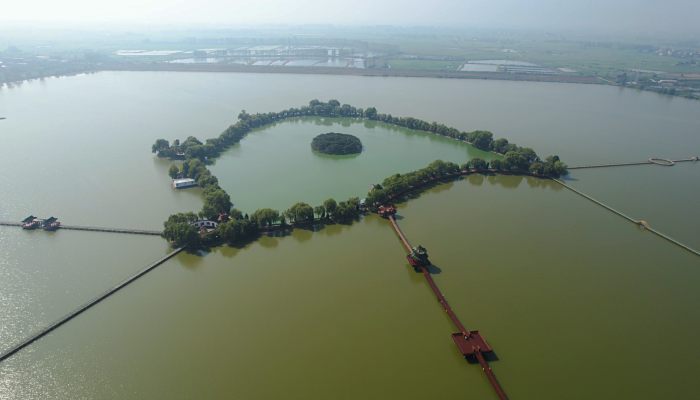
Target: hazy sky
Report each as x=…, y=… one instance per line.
x=679, y=16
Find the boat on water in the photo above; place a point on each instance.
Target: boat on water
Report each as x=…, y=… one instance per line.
x=418, y=257
x=51, y=224
x=31, y=222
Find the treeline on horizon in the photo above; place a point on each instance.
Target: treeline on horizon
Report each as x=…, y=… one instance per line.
x=239, y=228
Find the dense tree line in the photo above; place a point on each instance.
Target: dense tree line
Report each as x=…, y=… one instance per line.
x=516, y=158
x=520, y=162
x=395, y=185
x=240, y=228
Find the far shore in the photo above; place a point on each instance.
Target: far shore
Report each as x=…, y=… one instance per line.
x=409, y=73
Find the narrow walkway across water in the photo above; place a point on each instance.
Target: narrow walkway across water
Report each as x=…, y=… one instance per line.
x=43, y=332
x=641, y=223
x=469, y=343
x=651, y=161
x=96, y=229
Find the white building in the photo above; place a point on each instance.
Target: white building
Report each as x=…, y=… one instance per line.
x=205, y=223
x=183, y=183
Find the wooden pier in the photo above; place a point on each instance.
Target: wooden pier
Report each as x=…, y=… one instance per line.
x=96, y=229
x=470, y=343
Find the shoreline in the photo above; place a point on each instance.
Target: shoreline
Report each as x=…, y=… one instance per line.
x=405, y=73
x=386, y=73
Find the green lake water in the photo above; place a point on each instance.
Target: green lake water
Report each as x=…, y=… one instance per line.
x=577, y=302
x=270, y=166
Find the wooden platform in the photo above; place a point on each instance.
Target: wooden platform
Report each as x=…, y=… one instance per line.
x=468, y=345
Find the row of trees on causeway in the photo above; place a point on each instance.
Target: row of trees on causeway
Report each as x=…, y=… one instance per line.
x=234, y=227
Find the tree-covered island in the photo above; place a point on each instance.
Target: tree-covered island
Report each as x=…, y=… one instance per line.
x=235, y=227
x=336, y=144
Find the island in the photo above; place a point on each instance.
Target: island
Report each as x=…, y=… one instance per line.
x=219, y=222
x=336, y=144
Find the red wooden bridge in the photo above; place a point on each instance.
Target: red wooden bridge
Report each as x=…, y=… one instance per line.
x=470, y=343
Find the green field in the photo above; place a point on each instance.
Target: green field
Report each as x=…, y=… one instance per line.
x=586, y=56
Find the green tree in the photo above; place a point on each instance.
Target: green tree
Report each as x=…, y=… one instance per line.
x=265, y=217
x=300, y=213
x=529, y=154
x=478, y=164
x=377, y=196
x=497, y=164
x=160, y=145
x=346, y=211
x=537, y=168
x=514, y=161
x=216, y=201
x=330, y=206
x=227, y=232
x=500, y=145
x=560, y=169
x=371, y=113
x=237, y=231
x=179, y=230
x=207, y=180
x=481, y=139
x=320, y=211
x=174, y=171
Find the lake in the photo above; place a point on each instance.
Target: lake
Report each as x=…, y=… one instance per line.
x=569, y=295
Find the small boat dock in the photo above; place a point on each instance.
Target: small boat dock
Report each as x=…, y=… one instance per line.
x=52, y=224
x=48, y=224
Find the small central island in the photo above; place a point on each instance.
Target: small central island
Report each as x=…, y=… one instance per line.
x=336, y=144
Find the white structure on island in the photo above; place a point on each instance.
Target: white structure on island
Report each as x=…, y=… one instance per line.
x=205, y=224
x=183, y=183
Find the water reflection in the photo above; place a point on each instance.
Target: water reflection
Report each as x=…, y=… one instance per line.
x=302, y=235
x=194, y=259
x=268, y=241
x=475, y=179
x=511, y=182
x=337, y=157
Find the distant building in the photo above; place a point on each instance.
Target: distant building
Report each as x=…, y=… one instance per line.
x=183, y=183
